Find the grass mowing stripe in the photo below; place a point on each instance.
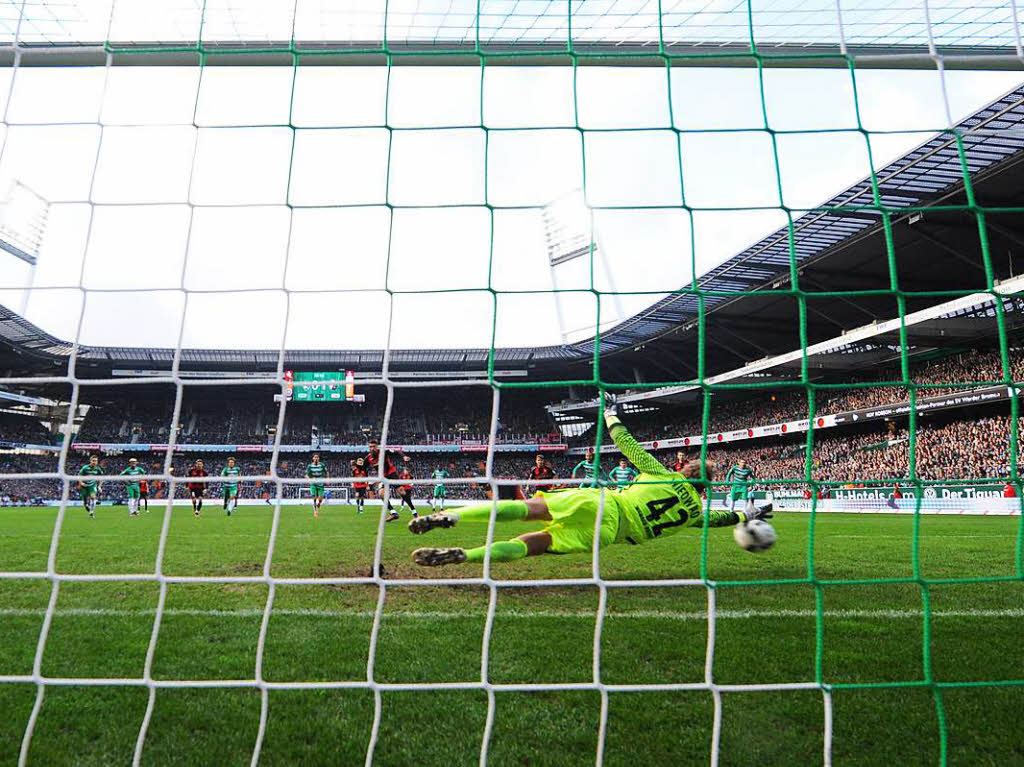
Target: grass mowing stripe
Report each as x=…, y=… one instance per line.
x=677, y=615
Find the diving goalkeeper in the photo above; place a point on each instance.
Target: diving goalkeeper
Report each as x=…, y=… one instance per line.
x=658, y=502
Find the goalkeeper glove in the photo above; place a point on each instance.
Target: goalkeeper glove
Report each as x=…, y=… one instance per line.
x=753, y=512
x=611, y=410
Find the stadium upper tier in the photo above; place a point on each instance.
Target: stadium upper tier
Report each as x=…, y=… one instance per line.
x=846, y=263
x=218, y=418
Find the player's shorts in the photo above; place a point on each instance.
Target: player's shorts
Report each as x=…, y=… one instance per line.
x=196, y=492
x=86, y=493
x=230, y=492
x=360, y=492
x=741, y=492
x=440, y=491
x=133, y=492
x=317, y=491
x=143, y=492
x=574, y=516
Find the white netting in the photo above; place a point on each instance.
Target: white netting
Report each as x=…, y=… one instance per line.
x=992, y=24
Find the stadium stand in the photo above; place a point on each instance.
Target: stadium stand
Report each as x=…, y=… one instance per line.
x=956, y=444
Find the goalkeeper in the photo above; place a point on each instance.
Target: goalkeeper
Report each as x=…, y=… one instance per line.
x=659, y=502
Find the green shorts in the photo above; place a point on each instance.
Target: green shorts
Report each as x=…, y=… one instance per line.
x=574, y=516
x=440, y=491
x=740, y=491
x=133, y=491
x=230, y=492
x=86, y=493
x=317, y=491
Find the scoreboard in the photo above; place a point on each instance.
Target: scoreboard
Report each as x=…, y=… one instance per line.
x=327, y=386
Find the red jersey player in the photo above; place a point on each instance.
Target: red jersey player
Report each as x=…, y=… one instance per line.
x=359, y=487
x=540, y=470
x=680, y=461
x=196, y=490
x=405, y=491
x=373, y=462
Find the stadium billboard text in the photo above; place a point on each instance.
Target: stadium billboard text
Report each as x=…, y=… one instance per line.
x=910, y=493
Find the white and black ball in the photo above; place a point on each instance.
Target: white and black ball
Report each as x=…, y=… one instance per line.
x=756, y=535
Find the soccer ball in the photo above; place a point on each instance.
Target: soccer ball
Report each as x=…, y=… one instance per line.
x=756, y=535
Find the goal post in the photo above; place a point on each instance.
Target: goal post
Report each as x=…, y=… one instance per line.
x=335, y=495
x=272, y=198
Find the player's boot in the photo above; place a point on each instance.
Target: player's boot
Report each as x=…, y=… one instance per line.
x=438, y=557
x=421, y=525
x=392, y=516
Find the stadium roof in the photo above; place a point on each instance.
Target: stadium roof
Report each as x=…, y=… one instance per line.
x=749, y=311
x=714, y=33
x=917, y=179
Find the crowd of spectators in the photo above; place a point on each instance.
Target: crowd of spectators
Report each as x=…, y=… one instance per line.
x=958, y=449
x=15, y=427
x=418, y=416
x=971, y=368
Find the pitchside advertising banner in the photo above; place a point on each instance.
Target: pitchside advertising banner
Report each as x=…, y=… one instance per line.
x=477, y=447
x=972, y=499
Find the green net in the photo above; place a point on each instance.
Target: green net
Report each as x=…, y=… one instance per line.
x=669, y=38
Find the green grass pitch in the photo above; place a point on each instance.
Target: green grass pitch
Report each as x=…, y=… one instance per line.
x=872, y=635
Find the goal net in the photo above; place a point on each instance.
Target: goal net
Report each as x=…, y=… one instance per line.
x=567, y=186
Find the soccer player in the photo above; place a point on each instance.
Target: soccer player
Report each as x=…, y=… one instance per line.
x=440, y=491
x=622, y=474
x=373, y=461
x=405, y=491
x=359, y=487
x=540, y=471
x=89, y=488
x=197, y=490
x=658, y=503
x=740, y=475
x=231, y=485
x=133, y=469
x=680, y=461
x=314, y=471
x=144, y=494
x=588, y=468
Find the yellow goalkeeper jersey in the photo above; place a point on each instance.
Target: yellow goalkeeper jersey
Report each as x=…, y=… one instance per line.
x=658, y=502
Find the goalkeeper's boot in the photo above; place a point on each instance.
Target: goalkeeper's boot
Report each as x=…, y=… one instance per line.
x=438, y=557
x=421, y=525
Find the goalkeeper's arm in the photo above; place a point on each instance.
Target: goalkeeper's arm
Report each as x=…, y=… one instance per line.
x=644, y=461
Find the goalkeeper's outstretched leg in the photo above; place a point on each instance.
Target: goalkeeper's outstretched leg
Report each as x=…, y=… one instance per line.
x=529, y=544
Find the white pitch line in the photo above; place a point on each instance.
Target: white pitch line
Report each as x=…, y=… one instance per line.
x=446, y=615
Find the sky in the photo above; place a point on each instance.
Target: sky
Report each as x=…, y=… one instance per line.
x=169, y=191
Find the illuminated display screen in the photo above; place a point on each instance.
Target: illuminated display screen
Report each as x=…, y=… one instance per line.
x=325, y=386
